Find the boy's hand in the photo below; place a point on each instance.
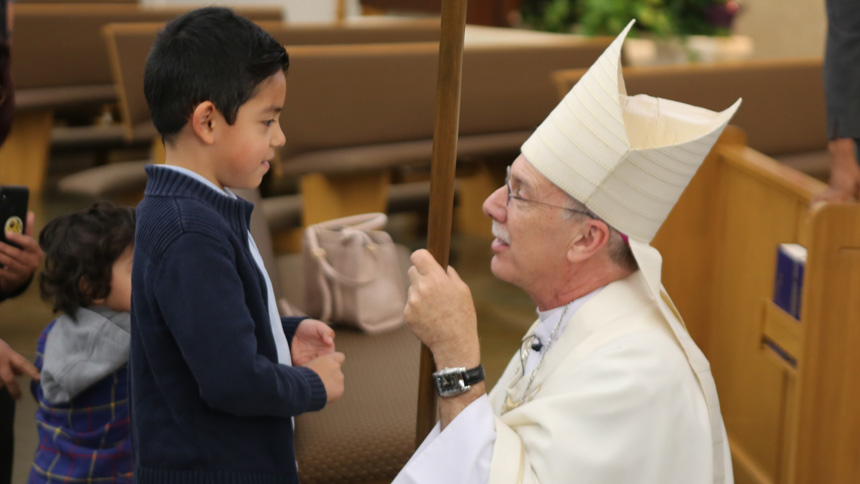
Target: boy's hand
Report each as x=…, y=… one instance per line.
x=12, y=364
x=328, y=368
x=313, y=339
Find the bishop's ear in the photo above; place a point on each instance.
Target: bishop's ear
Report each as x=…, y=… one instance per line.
x=593, y=235
x=203, y=121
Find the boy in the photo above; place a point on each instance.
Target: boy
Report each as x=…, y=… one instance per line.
x=213, y=392
x=82, y=417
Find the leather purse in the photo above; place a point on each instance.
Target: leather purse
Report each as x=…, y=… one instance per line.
x=352, y=275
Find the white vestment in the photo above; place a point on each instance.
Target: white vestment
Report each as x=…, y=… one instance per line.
x=615, y=401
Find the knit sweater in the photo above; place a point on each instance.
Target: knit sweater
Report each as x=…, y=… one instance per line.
x=209, y=402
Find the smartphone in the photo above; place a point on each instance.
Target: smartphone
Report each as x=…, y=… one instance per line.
x=4, y=25
x=13, y=210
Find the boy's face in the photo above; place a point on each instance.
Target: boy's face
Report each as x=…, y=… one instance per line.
x=119, y=298
x=248, y=146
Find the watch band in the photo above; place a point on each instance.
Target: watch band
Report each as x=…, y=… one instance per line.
x=474, y=375
x=451, y=382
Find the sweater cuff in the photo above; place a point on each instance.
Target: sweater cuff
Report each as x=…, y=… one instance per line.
x=290, y=323
x=318, y=394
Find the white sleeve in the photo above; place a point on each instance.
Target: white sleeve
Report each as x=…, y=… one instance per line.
x=461, y=454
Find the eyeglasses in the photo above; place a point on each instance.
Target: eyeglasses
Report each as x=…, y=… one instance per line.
x=526, y=200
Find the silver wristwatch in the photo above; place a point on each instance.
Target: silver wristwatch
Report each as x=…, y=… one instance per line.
x=451, y=382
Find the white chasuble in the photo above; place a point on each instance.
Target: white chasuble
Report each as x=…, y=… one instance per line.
x=615, y=401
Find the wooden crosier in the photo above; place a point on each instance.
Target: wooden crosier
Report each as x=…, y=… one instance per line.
x=443, y=165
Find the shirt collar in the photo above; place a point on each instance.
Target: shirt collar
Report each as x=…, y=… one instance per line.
x=550, y=317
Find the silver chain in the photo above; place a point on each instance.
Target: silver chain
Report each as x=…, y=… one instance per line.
x=548, y=346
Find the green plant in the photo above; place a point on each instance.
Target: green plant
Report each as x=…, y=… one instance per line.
x=662, y=18
x=609, y=17
x=549, y=15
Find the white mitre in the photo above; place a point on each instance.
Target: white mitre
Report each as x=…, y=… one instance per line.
x=627, y=158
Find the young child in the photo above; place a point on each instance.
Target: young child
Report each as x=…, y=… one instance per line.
x=82, y=417
x=216, y=373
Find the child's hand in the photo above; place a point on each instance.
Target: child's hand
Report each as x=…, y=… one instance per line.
x=313, y=339
x=328, y=368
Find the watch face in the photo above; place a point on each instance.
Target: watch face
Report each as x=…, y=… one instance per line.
x=451, y=381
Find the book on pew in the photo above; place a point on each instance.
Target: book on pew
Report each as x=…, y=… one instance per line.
x=788, y=281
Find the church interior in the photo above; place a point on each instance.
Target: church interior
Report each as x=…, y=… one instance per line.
x=359, y=127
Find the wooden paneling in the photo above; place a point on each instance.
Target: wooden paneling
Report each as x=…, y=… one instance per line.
x=24, y=155
x=480, y=12
x=828, y=435
x=786, y=424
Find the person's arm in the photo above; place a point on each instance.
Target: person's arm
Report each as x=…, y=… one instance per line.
x=200, y=295
x=18, y=265
x=290, y=323
x=11, y=365
x=844, y=172
x=461, y=454
x=449, y=330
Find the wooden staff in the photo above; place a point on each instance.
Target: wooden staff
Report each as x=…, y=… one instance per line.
x=442, y=179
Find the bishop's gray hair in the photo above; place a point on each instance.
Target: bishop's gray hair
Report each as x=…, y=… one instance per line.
x=619, y=250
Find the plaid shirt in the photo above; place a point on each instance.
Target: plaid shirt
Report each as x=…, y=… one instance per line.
x=87, y=439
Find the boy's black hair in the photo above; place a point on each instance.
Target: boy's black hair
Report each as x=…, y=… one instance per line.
x=83, y=246
x=208, y=54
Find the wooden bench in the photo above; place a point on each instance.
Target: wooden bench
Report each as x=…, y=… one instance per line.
x=60, y=62
x=786, y=424
x=344, y=139
x=783, y=112
x=353, y=112
x=128, y=45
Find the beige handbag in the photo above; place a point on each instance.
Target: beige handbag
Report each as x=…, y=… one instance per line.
x=351, y=273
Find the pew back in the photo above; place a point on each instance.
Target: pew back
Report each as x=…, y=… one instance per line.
x=129, y=43
x=342, y=96
x=783, y=108
x=785, y=424
x=60, y=45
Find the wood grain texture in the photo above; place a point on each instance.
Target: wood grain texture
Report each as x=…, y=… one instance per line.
x=443, y=168
x=24, y=155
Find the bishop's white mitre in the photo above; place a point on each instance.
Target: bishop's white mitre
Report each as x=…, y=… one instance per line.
x=627, y=158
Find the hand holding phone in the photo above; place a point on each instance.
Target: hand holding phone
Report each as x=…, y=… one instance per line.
x=20, y=254
x=13, y=211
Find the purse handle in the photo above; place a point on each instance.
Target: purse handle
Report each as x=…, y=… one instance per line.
x=352, y=226
x=364, y=221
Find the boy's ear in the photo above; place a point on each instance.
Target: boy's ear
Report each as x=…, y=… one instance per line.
x=202, y=121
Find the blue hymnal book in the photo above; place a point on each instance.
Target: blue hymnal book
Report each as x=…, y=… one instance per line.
x=788, y=283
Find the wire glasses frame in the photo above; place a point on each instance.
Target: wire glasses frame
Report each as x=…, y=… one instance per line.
x=526, y=200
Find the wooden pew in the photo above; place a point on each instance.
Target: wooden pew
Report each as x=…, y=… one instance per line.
x=59, y=61
x=353, y=112
x=783, y=113
x=128, y=45
x=786, y=424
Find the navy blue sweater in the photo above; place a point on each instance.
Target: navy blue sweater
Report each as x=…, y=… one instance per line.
x=209, y=402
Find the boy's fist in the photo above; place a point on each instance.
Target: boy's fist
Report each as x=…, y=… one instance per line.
x=328, y=368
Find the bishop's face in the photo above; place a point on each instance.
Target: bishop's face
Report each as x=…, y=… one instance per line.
x=532, y=231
